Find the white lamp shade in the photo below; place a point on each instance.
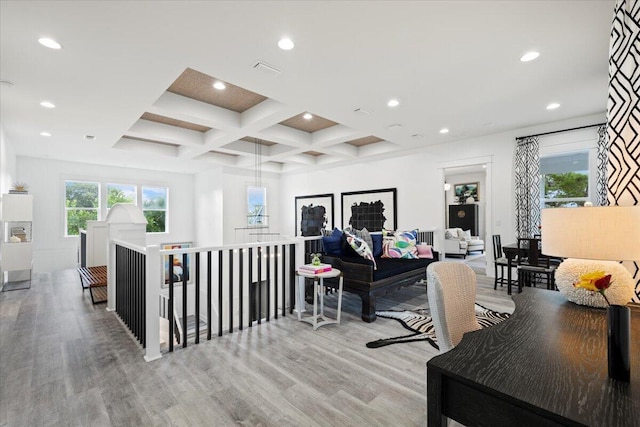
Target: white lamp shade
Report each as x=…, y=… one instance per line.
x=596, y=233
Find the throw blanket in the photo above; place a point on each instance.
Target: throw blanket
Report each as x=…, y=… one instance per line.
x=420, y=323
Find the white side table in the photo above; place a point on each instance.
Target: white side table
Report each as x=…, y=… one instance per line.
x=318, y=319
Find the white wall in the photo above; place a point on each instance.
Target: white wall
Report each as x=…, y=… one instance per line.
x=209, y=198
x=415, y=177
x=7, y=164
x=235, y=208
x=54, y=251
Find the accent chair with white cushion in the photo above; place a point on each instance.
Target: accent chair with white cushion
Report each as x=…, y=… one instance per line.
x=451, y=288
x=461, y=242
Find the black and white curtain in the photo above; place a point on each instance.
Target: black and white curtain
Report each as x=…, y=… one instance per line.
x=601, y=173
x=527, y=186
x=623, y=113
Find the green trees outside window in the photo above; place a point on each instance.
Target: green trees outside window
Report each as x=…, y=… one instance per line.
x=568, y=186
x=120, y=193
x=565, y=179
x=154, y=208
x=82, y=204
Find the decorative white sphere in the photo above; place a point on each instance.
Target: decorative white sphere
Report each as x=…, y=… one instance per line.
x=569, y=272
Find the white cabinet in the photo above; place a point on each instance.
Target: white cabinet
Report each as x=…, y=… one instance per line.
x=17, y=246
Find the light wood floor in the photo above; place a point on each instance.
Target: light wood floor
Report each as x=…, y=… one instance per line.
x=65, y=361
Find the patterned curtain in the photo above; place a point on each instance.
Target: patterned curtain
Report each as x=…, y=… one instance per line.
x=601, y=173
x=623, y=113
x=527, y=186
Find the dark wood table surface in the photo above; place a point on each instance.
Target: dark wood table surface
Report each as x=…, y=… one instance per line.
x=545, y=365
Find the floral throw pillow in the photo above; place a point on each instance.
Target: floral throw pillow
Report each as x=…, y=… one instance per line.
x=402, y=244
x=361, y=247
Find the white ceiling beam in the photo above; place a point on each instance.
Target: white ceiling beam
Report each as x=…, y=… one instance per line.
x=193, y=111
x=265, y=114
x=145, y=147
x=166, y=133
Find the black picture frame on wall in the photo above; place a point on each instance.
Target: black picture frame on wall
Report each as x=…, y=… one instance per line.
x=313, y=213
x=372, y=209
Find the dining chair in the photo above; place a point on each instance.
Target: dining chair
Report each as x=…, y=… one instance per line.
x=533, y=265
x=499, y=260
x=451, y=289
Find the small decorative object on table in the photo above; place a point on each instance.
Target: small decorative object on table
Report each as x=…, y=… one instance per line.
x=618, y=326
x=572, y=270
x=19, y=188
x=315, y=259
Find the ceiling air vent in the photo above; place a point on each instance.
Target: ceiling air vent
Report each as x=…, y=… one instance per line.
x=361, y=111
x=266, y=68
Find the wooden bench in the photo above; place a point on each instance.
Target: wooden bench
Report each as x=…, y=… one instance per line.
x=95, y=279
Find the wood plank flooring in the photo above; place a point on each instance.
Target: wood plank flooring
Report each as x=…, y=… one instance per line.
x=65, y=361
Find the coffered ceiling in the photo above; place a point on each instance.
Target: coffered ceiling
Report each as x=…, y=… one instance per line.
x=139, y=78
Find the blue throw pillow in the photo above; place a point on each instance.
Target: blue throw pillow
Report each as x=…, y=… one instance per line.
x=332, y=244
x=377, y=244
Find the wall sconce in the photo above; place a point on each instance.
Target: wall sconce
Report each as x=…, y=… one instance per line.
x=447, y=186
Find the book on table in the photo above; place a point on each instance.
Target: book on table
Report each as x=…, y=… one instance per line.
x=315, y=269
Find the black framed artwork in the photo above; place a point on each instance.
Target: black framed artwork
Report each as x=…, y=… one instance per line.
x=466, y=190
x=373, y=209
x=313, y=213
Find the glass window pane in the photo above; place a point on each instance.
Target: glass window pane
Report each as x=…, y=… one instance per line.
x=77, y=218
x=566, y=185
x=155, y=221
x=257, y=206
x=82, y=194
x=154, y=198
x=120, y=193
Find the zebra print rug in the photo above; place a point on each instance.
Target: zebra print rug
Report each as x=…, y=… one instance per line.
x=419, y=322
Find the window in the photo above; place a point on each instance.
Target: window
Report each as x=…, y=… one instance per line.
x=120, y=193
x=154, y=208
x=256, y=206
x=82, y=204
x=565, y=180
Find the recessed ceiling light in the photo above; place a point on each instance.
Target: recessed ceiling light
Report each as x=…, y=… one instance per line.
x=220, y=85
x=48, y=104
x=417, y=135
x=44, y=133
x=50, y=43
x=307, y=116
x=484, y=166
x=444, y=130
x=529, y=56
x=285, y=43
x=553, y=106
x=89, y=137
x=393, y=103
x=395, y=126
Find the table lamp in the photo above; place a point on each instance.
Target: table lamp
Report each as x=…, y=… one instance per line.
x=599, y=237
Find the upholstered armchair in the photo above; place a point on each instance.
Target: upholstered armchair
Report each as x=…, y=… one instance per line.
x=460, y=242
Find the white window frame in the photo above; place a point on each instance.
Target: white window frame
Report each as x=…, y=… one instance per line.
x=103, y=209
x=67, y=209
x=263, y=221
x=165, y=210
